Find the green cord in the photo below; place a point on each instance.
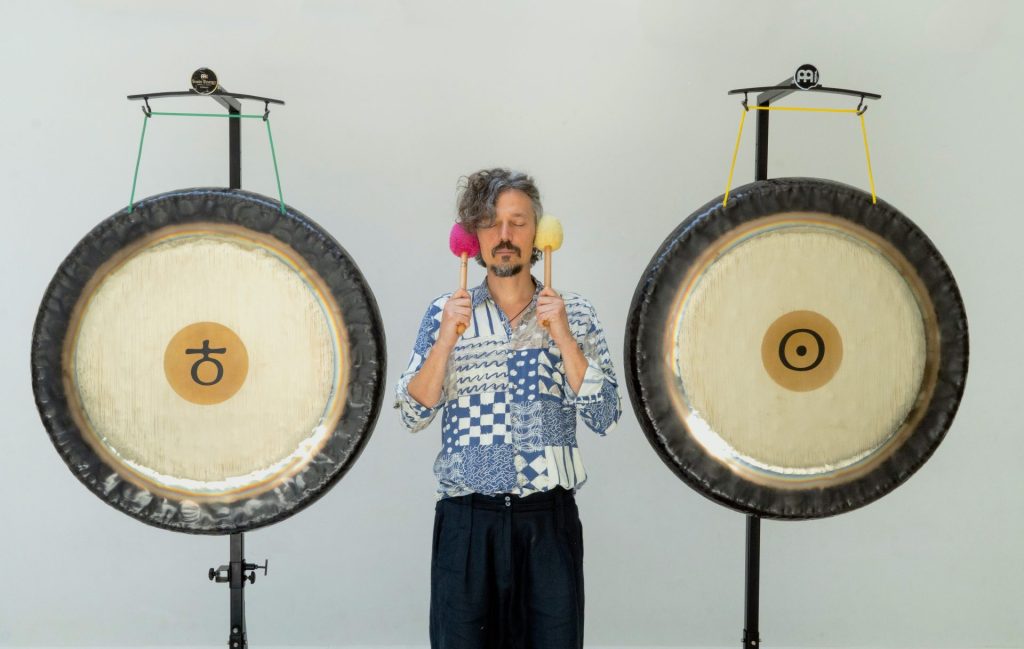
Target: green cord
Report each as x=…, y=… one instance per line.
x=273, y=154
x=138, y=159
x=145, y=120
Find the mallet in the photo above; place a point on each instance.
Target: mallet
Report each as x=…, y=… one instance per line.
x=463, y=244
x=548, y=239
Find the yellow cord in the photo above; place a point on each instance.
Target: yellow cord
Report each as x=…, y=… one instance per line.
x=867, y=154
x=863, y=128
x=809, y=110
x=728, y=183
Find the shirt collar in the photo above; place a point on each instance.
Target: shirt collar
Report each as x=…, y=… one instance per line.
x=481, y=292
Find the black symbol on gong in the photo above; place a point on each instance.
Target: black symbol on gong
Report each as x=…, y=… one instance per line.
x=206, y=351
x=801, y=350
x=806, y=77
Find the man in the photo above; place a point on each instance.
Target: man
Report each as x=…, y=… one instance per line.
x=507, y=560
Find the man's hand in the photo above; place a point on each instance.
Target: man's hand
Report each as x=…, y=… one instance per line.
x=551, y=309
x=458, y=310
x=551, y=312
x=426, y=386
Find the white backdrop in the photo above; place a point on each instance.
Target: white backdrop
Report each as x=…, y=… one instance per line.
x=620, y=111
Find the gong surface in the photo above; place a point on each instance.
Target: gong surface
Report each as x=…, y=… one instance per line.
x=797, y=353
x=207, y=363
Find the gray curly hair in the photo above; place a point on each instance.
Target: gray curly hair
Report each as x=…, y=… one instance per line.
x=479, y=192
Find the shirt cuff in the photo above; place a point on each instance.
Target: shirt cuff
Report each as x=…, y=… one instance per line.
x=593, y=379
x=411, y=406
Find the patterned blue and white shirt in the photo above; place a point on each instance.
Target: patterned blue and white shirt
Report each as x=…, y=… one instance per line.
x=509, y=422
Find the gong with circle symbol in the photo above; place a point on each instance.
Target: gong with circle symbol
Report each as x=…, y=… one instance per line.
x=208, y=361
x=798, y=352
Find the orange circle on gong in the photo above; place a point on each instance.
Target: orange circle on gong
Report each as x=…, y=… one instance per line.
x=206, y=363
x=802, y=350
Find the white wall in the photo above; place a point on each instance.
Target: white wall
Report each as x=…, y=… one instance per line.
x=619, y=110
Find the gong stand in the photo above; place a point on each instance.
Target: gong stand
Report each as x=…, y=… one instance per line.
x=806, y=80
x=237, y=572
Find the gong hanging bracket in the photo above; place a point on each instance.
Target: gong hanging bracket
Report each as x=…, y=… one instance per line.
x=806, y=78
x=204, y=83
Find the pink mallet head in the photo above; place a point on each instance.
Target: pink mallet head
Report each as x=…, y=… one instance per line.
x=461, y=242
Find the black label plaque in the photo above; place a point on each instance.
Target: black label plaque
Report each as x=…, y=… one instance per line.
x=806, y=77
x=204, y=81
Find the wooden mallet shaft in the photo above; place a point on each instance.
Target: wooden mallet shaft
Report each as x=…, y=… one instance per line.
x=461, y=327
x=547, y=275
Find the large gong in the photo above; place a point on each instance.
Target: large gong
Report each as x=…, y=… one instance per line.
x=797, y=353
x=208, y=363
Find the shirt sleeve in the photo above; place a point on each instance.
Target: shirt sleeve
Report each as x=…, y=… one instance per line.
x=416, y=416
x=598, y=401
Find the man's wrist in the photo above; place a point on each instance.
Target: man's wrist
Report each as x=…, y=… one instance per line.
x=444, y=347
x=565, y=341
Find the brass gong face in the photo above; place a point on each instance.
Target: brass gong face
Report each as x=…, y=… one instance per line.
x=174, y=400
x=201, y=355
x=785, y=352
x=754, y=302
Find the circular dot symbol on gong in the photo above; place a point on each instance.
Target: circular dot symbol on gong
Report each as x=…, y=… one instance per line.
x=206, y=363
x=802, y=350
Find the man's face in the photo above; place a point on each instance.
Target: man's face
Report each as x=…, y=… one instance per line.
x=507, y=244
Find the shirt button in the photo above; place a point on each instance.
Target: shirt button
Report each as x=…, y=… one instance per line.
x=508, y=501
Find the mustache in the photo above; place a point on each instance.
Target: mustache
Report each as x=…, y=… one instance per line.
x=506, y=245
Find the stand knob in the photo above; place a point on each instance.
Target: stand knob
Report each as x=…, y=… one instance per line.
x=253, y=566
x=220, y=575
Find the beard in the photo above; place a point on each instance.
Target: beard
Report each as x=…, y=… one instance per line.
x=506, y=270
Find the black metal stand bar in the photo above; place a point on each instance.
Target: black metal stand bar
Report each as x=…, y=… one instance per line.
x=236, y=568
x=235, y=146
x=788, y=86
x=220, y=95
x=236, y=572
x=751, y=632
x=761, y=151
x=761, y=147
x=767, y=95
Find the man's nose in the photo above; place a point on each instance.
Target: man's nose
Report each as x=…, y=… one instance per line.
x=506, y=230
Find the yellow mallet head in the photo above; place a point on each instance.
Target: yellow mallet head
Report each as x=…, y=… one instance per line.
x=549, y=233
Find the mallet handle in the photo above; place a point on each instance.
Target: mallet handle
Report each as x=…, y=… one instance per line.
x=461, y=327
x=547, y=274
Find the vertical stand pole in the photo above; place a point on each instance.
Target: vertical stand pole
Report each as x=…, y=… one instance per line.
x=751, y=633
x=235, y=147
x=234, y=139
x=236, y=567
x=761, y=150
x=237, y=639
x=751, y=630
x=236, y=573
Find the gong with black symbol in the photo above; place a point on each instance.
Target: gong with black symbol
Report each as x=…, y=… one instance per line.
x=208, y=361
x=798, y=352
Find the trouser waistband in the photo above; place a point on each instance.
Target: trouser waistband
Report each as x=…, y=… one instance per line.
x=541, y=500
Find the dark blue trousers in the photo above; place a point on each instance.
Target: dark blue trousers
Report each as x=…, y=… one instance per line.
x=507, y=573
